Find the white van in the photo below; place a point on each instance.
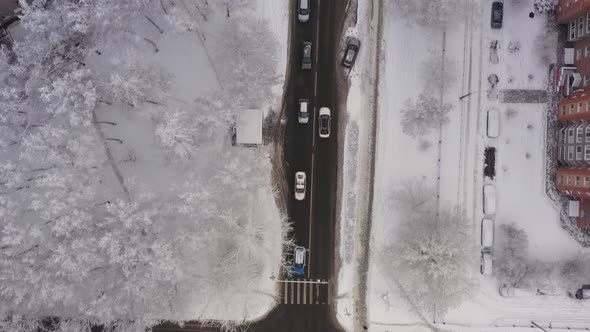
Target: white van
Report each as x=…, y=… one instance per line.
x=489, y=199
x=486, y=262
x=487, y=233
x=493, y=124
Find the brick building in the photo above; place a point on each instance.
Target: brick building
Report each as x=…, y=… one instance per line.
x=572, y=177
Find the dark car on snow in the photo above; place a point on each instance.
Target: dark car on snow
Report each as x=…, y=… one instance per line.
x=497, y=14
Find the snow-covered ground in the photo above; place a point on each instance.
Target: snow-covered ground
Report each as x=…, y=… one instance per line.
x=158, y=215
x=520, y=165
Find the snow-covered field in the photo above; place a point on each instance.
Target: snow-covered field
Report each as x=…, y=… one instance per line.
x=520, y=165
x=122, y=196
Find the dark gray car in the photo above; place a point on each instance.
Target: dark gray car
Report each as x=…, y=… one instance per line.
x=306, y=60
x=352, y=49
x=497, y=14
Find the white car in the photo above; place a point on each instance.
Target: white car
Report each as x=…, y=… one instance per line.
x=325, y=120
x=487, y=233
x=300, y=186
x=493, y=123
x=489, y=199
x=299, y=263
x=303, y=10
x=303, y=114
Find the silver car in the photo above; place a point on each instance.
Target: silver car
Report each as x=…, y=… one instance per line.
x=303, y=113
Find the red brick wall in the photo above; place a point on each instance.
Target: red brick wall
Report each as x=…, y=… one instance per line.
x=567, y=10
x=573, y=173
x=575, y=99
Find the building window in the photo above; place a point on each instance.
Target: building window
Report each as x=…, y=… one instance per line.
x=588, y=23
x=579, y=135
x=579, y=54
x=569, y=180
x=570, y=135
x=563, y=110
x=587, y=51
x=579, y=152
x=570, y=153
x=572, y=108
x=581, y=105
x=560, y=181
x=572, y=32
x=587, y=181
x=577, y=181
x=588, y=106
x=563, y=154
x=586, y=80
x=563, y=136
x=581, y=26
x=587, y=153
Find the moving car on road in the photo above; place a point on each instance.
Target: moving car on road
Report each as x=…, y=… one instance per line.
x=300, y=186
x=306, y=60
x=497, y=14
x=303, y=113
x=352, y=49
x=303, y=10
x=325, y=120
x=299, y=263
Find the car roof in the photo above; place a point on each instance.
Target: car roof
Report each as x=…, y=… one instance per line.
x=299, y=255
x=324, y=110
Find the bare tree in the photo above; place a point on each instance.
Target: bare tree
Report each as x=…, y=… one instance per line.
x=423, y=115
x=432, y=253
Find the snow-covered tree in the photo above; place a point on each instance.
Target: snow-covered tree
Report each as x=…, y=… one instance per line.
x=438, y=74
x=545, y=6
x=510, y=255
x=133, y=84
x=421, y=116
x=247, y=45
x=432, y=252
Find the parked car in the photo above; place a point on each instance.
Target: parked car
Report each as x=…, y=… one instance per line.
x=486, y=262
x=299, y=262
x=497, y=14
x=303, y=10
x=306, y=60
x=489, y=199
x=303, y=113
x=508, y=291
x=325, y=122
x=493, y=123
x=352, y=50
x=487, y=233
x=300, y=186
x=583, y=293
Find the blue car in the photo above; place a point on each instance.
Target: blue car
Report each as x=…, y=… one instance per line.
x=299, y=263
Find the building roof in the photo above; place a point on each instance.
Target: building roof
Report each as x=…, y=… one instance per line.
x=249, y=126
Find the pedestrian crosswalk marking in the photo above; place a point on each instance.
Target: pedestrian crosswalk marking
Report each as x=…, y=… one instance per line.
x=305, y=291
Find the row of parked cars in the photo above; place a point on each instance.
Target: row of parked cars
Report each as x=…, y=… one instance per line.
x=304, y=113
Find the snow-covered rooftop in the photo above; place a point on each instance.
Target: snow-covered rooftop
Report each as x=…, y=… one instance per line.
x=249, y=127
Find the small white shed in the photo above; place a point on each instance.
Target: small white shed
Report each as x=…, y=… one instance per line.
x=573, y=208
x=248, y=127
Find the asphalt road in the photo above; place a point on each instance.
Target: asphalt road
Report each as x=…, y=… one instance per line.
x=313, y=218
